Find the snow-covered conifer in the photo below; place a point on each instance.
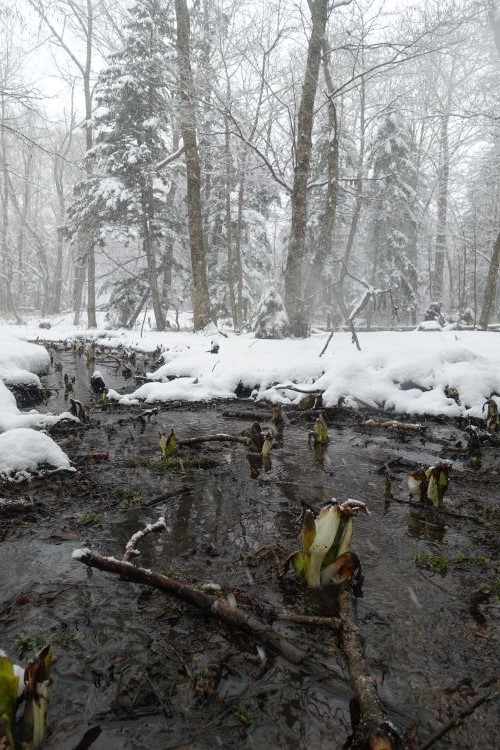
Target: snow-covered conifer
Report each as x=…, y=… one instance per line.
x=271, y=321
x=123, y=198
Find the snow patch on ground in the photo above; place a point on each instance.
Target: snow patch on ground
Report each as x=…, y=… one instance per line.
x=21, y=448
x=23, y=451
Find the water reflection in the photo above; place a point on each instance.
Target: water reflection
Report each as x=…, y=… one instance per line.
x=422, y=527
x=257, y=463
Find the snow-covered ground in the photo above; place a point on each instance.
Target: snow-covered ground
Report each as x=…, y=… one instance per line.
x=406, y=372
x=21, y=448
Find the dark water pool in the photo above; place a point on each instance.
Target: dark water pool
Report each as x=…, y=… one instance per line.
x=126, y=658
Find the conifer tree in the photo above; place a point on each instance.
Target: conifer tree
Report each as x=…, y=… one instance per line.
x=392, y=217
x=123, y=196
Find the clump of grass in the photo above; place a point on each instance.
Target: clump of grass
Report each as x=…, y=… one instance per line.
x=495, y=588
x=130, y=499
x=181, y=464
x=25, y=644
x=428, y=561
x=90, y=519
x=65, y=637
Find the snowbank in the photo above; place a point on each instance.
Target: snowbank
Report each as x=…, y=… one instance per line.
x=23, y=451
x=405, y=372
x=20, y=446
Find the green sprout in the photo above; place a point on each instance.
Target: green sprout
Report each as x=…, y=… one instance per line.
x=428, y=561
x=168, y=445
x=90, y=519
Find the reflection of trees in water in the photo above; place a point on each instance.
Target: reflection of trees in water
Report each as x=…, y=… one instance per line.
x=423, y=527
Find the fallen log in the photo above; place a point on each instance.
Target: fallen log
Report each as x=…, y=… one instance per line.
x=371, y=728
x=219, y=437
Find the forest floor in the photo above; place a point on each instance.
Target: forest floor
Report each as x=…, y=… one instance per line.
x=153, y=672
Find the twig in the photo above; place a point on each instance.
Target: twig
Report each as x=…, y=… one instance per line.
x=298, y=390
x=329, y=622
x=131, y=547
x=455, y=720
x=438, y=511
x=326, y=345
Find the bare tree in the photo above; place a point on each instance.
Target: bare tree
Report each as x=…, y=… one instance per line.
x=201, y=299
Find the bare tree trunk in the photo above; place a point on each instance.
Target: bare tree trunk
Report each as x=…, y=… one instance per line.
x=201, y=299
x=149, y=251
x=325, y=237
x=229, y=231
x=441, y=232
x=4, y=249
x=80, y=272
x=91, y=303
x=490, y=291
x=294, y=271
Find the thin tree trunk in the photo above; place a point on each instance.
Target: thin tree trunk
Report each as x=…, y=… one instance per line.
x=490, y=291
x=201, y=299
x=441, y=233
x=4, y=249
x=294, y=271
x=149, y=251
x=80, y=272
x=229, y=231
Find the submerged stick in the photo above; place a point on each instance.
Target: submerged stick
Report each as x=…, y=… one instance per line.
x=373, y=730
x=457, y=719
x=219, y=437
x=219, y=608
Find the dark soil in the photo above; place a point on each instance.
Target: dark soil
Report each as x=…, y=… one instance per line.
x=154, y=673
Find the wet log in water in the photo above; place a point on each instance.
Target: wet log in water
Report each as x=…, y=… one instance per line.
x=371, y=728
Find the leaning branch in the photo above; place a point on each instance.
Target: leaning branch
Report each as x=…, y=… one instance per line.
x=169, y=159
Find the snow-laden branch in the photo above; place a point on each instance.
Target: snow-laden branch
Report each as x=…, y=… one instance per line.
x=169, y=159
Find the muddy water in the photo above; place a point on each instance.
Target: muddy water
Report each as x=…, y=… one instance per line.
x=127, y=658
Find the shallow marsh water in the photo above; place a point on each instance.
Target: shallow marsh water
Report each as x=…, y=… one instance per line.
x=126, y=656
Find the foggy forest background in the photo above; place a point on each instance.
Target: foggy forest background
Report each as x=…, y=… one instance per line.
x=340, y=159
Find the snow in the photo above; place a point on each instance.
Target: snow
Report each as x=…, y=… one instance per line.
x=404, y=372
x=23, y=451
x=21, y=448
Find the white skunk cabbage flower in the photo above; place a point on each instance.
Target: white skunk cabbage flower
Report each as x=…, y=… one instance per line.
x=326, y=539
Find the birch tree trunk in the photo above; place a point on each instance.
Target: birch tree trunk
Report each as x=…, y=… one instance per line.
x=201, y=299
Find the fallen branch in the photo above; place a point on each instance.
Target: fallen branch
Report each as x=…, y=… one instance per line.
x=457, y=719
x=392, y=424
x=428, y=507
x=219, y=608
x=254, y=416
x=220, y=437
x=312, y=392
x=373, y=729
x=329, y=622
